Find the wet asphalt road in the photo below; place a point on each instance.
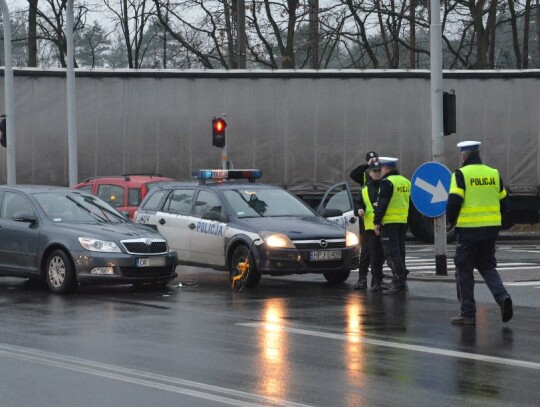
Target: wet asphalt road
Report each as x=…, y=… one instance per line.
x=292, y=341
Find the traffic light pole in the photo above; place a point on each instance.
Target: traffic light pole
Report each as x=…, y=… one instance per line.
x=437, y=132
x=9, y=99
x=71, y=98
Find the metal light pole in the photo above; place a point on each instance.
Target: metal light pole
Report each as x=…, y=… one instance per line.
x=9, y=101
x=241, y=33
x=71, y=98
x=437, y=145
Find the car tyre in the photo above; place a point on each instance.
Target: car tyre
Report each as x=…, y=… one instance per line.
x=60, y=273
x=252, y=276
x=336, y=277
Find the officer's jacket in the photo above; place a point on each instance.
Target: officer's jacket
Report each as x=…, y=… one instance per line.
x=477, y=198
x=393, y=199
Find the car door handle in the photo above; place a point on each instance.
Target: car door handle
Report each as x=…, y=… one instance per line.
x=191, y=226
x=162, y=221
x=352, y=220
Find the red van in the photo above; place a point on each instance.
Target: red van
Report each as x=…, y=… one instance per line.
x=124, y=192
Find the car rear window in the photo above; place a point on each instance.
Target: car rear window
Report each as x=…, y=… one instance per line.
x=112, y=194
x=134, y=196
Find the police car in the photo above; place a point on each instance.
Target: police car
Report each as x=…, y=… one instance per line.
x=252, y=229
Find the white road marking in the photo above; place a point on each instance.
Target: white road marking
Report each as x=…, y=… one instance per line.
x=147, y=379
x=524, y=283
x=397, y=345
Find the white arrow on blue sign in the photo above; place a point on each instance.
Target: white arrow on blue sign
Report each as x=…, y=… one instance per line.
x=430, y=184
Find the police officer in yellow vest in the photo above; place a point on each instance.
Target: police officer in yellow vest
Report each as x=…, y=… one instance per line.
x=361, y=175
x=371, y=242
x=476, y=202
x=391, y=221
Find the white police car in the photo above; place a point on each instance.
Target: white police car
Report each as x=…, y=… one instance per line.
x=253, y=229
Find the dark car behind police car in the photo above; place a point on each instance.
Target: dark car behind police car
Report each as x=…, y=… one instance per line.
x=249, y=229
x=66, y=236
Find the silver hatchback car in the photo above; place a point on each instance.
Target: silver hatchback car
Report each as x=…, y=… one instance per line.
x=66, y=237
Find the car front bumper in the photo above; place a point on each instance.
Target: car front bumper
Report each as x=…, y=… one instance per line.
x=293, y=261
x=161, y=268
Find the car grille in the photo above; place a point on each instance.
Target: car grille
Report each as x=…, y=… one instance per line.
x=140, y=246
x=143, y=272
x=316, y=245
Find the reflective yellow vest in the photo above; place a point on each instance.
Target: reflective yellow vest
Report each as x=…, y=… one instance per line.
x=481, y=196
x=398, y=208
x=369, y=214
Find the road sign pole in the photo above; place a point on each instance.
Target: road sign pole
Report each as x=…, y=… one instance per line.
x=437, y=135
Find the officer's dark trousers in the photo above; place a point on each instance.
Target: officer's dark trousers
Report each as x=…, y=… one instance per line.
x=363, y=261
x=479, y=254
x=393, y=242
x=372, y=244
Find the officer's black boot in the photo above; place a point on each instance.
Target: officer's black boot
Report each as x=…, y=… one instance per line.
x=361, y=284
x=376, y=286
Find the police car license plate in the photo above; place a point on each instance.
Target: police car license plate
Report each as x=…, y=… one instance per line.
x=143, y=262
x=323, y=255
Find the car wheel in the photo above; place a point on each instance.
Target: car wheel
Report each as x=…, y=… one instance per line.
x=250, y=276
x=60, y=273
x=336, y=277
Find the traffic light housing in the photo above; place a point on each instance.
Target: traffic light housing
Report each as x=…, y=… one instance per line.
x=449, y=112
x=3, y=131
x=218, y=132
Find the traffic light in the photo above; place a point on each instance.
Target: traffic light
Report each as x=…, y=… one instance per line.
x=218, y=132
x=3, y=131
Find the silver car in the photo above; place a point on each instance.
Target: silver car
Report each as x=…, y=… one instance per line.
x=66, y=237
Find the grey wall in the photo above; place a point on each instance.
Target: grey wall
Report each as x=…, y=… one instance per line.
x=304, y=129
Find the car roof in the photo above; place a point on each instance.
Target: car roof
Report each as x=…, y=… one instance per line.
x=215, y=185
x=131, y=179
x=29, y=189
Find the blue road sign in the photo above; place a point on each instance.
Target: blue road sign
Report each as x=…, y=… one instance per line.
x=430, y=184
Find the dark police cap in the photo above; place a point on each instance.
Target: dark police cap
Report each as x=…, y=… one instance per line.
x=370, y=155
x=374, y=166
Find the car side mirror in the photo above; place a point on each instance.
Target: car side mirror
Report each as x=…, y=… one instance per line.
x=24, y=216
x=212, y=215
x=332, y=213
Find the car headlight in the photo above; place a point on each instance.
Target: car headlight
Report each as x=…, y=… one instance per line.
x=351, y=239
x=278, y=240
x=95, y=245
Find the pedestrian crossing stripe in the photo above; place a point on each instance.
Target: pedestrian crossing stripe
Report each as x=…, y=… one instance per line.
x=426, y=265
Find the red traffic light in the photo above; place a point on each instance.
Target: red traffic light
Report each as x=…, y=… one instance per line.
x=218, y=132
x=219, y=125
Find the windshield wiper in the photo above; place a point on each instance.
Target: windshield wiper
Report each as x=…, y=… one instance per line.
x=93, y=214
x=106, y=210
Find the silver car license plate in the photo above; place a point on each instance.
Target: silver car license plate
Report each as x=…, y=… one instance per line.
x=143, y=262
x=325, y=255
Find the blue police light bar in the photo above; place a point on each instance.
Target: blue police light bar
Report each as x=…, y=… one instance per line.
x=250, y=174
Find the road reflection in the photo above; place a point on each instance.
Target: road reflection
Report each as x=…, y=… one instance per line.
x=275, y=368
x=354, y=355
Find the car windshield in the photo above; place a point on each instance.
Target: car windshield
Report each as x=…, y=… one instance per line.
x=76, y=207
x=251, y=202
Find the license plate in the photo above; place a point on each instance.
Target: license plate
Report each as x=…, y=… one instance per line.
x=323, y=255
x=144, y=262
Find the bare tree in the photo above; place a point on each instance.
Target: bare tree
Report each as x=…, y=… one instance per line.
x=132, y=17
x=32, y=33
x=51, y=21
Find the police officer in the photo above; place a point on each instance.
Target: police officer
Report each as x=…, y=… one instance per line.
x=361, y=176
x=391, y=221
x=370, y=241
x=476, y=202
